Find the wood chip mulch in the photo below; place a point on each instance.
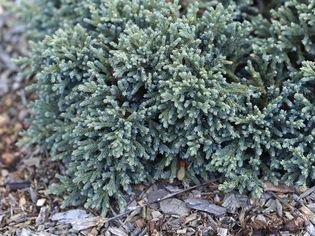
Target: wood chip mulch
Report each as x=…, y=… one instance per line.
x=26, y=174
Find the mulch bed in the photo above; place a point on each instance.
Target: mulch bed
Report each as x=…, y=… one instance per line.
x=26, y=174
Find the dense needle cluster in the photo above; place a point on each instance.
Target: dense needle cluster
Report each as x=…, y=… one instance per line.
x=127, y=88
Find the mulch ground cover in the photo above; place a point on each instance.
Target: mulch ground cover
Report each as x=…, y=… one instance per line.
x=27, y=174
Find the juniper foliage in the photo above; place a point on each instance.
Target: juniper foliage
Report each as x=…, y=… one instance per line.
x=127, y=88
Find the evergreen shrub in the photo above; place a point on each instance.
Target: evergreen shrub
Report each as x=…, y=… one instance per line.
x=127, y=88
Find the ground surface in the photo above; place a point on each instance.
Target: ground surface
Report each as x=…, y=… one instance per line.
x=26, y=174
